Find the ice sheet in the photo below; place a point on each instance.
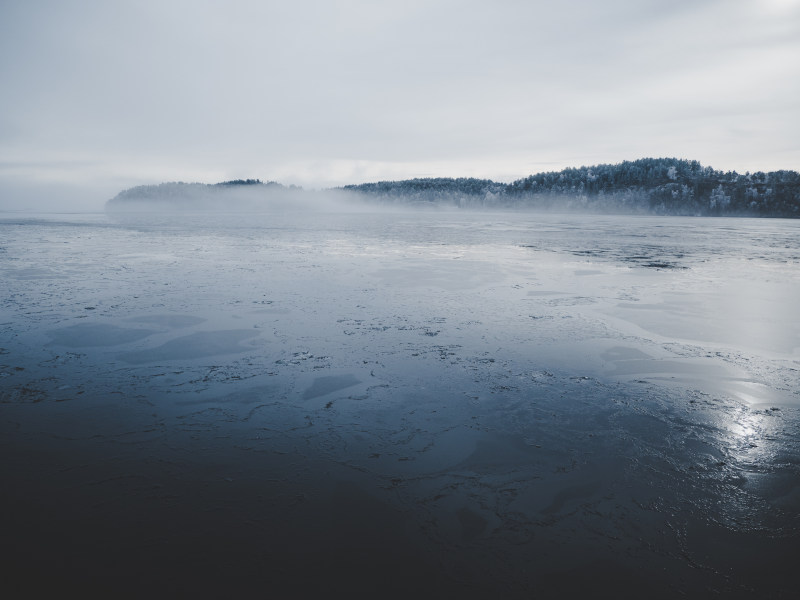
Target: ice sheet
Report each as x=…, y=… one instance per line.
x=515, y=402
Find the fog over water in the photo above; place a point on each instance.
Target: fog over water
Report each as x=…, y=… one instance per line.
x=394, y=402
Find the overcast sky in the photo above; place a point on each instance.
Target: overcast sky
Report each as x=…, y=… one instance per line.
x=100, y=96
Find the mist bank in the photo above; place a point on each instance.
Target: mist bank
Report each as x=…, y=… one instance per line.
x=241, y=195
x=652, y=186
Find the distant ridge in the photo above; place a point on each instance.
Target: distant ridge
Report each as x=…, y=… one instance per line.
x=237, y=194
x=646, y=186
x=661, y=186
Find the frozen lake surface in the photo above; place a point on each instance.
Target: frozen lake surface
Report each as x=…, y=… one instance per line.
x=401, y=403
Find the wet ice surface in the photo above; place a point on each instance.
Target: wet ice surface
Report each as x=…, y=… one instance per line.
x=402, y=403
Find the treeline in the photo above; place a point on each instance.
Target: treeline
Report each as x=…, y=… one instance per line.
x=245, y=182
x=666, y=186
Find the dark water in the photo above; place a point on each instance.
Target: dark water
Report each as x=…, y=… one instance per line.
x=391, y=404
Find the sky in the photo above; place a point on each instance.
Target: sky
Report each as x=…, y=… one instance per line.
x=99, y=96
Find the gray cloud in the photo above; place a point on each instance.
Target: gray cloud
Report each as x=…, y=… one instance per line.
x=317, y=93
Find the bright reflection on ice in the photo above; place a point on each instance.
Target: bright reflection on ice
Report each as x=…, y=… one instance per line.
x=745, y=427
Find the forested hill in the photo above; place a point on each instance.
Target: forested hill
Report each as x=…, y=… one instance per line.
x=647, y=186
x=661, y=186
